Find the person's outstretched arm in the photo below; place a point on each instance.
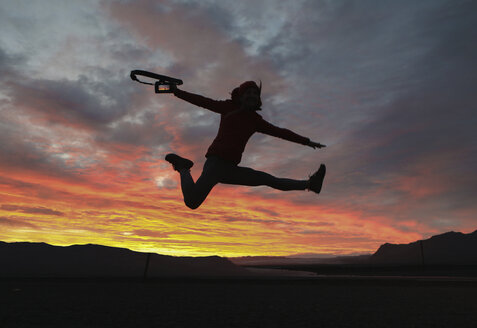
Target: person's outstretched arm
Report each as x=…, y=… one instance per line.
x=272, y=130
x=218, y=106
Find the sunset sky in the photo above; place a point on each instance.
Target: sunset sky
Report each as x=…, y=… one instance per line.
x=388, y=86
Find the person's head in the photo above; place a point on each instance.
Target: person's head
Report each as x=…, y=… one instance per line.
x=247, y=95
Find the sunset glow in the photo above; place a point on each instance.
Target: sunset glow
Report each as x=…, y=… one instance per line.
x=82, y=146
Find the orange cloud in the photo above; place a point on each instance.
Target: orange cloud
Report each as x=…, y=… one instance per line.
x=132, y=212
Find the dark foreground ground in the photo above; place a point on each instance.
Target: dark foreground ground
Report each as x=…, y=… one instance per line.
x=334, y=302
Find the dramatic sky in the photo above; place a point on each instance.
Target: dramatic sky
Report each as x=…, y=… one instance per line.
x=389, y=86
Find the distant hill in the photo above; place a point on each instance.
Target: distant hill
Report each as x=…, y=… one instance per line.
x=289, y=261
x=43, y=260
x=258, y=260
x=448, y=248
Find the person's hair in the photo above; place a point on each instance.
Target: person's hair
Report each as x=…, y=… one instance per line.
x=235, y=96
x=239, y=91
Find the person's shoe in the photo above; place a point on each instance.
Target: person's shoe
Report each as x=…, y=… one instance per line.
x=316, y=180
x=179, y=163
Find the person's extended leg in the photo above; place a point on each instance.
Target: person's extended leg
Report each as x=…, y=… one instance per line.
x=195, y=193
x=249, y=177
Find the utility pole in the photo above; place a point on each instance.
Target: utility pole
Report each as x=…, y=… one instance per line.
x=422, y=253
x=148, y=259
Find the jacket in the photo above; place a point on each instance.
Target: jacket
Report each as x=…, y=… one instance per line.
x=236, y=127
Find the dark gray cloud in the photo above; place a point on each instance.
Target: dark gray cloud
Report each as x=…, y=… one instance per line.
x=9, y=63
x=30, y=210
x=21, y=151
x=315, y=232
x=82, y=102
x=146, y=131
x=255, y=220
x=150, y=233
x=267, y=211
x=16, y=223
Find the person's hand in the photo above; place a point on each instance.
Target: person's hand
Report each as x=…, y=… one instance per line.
x=173, y=88
x=315, y=145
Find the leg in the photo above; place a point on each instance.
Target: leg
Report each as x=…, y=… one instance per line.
x=195, y=193
x=245, y=176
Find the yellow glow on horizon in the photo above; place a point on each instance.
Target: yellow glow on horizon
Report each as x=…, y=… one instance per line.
x=142, y=217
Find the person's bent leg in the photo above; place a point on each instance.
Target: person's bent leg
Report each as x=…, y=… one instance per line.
x=249, y=177
x=195, y=193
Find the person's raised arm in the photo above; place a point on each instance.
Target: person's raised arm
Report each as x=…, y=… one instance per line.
x=217, y=106
x=272, y=130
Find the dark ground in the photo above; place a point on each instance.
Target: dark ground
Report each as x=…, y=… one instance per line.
x=330, y=302
x=379, y=270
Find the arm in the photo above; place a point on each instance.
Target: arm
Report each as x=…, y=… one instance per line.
x=270, y=129
x=217, y=106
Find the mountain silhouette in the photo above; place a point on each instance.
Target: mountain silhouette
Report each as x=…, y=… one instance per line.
x=43, y=260
x=454, y=248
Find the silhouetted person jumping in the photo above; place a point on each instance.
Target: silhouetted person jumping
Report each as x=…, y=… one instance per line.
x=238, y=121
